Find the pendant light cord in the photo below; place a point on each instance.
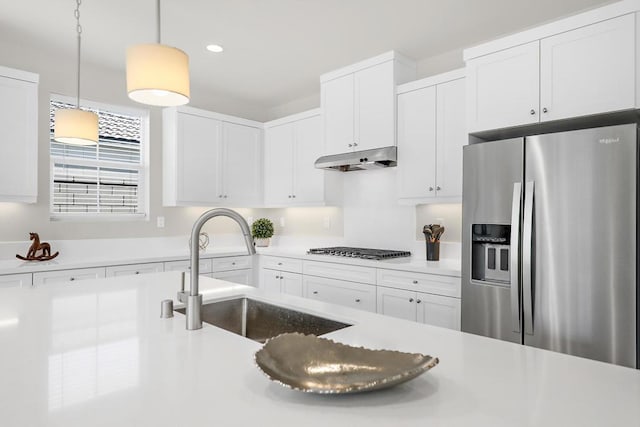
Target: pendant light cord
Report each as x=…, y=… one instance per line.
x=158, y=21
x=79, y=31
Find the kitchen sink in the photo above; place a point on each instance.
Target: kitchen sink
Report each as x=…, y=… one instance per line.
x=260, y=321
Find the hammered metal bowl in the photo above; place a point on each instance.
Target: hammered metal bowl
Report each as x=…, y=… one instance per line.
x=318, y=365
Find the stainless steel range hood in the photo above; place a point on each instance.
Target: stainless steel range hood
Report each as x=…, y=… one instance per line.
x=359, y=160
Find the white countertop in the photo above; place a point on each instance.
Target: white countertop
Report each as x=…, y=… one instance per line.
x=96, y=353
x=445, y=267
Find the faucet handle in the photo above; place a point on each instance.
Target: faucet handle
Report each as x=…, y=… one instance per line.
x=182, y=295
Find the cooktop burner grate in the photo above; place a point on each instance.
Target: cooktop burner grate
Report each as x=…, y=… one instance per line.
x=364, y=253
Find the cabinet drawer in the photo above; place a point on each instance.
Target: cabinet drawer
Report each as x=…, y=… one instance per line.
x=132, y=269
x=67, y=275
x=354, y=295
x=231, y=263
x=242, y=277
x=420, y=282
x=205, y=266
x=291, y=265
x=351, y=273
x=15, y=280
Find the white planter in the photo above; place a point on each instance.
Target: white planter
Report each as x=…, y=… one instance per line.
x=262, y=243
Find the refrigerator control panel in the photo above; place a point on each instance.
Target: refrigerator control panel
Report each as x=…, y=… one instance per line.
x=490, y=253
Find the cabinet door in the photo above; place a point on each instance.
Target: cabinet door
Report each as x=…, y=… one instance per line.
x=397, y=303
x=354, y=295
x=417, y=143
x=503, y=88
x=308, y=182
x=242, y=154
x=589, y=70
x=375, y=107
x=337, y=110
x=451, y=137
x=291, y=283
x=439, y=311
x=67, y=276
x=19, y=141
x=242, y=277
x=197, y=146
x=279, y=164
x=133, y=269
x=270, y=280
x=15, y=280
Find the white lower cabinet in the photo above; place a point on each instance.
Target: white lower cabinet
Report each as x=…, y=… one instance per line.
x=281, y=282
x=439, y=311
x=133, y=269
x=68, y=275
x=341, y=292
x=15, y=280
x=431, y=309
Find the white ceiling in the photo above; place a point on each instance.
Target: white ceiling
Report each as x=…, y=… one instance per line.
x=275, y=50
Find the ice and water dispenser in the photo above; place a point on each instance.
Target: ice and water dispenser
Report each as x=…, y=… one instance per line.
x=490, y=253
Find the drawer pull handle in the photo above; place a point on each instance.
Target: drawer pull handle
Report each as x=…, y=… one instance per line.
x=357, y=299
x=315, y=292
x=410, y=299
x=415, y=282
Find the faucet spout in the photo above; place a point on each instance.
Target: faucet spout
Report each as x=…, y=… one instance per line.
x=194, y=299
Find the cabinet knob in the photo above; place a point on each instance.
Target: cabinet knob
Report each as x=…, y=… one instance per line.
x=225, y=196
x=315, y=292
x=419, y=301
x=544, y=110
x=415, y=282
x=350, y=145
x=219, y=196
x=72, y=279
x=410, y=299
x=137, y=272
x=355, y=144
x=279, y=263
x=438, y=188
x=430, y=188
x=532, y=112
x=293, y=196
x=233, y=263
x=357, y=299
x=289, y=196
x=277, y=277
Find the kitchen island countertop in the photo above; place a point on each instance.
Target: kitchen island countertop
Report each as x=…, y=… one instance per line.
x=96, y=353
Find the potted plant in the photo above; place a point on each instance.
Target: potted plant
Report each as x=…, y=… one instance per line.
x=262, y=230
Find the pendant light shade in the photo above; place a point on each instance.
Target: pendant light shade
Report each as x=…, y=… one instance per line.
x=77, y=127
x=158, y=75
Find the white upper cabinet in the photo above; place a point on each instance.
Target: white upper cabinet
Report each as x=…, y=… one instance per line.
x=358, y=103
x=589, y=70
x=431, y=134
x=580, y=66
x=503, y=88
x=210, y=159
x=19, y=140
x=241, y=166
x=292, y=145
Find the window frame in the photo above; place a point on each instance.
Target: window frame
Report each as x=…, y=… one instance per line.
x=144, y=188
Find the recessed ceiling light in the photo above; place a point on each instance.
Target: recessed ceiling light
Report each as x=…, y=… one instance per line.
x=215, y=48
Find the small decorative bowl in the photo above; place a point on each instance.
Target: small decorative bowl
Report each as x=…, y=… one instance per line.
x=319, y=365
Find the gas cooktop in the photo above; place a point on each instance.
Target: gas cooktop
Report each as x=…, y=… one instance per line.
x=365, y=253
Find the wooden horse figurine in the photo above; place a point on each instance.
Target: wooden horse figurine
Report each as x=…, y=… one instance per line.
x=32, y=254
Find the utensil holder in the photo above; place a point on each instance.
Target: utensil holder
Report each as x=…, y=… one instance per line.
x=433, y=251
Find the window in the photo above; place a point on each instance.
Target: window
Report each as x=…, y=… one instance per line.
x=105, y=180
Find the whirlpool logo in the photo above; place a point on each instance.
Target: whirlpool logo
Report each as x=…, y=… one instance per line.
x=609, y=140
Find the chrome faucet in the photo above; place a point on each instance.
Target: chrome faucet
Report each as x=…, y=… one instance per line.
x=194, y=298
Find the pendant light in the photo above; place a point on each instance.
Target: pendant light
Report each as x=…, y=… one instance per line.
x=157, y=74
x=75, y=126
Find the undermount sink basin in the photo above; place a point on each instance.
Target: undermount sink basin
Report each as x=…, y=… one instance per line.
x=260, y=321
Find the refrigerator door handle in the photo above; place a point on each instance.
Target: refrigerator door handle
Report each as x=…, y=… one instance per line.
x=527, y=267
x=514, y=252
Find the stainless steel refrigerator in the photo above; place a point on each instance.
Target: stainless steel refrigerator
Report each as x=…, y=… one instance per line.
x=550, y=242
